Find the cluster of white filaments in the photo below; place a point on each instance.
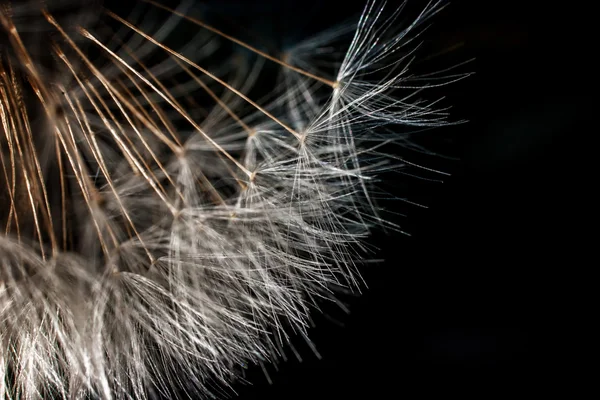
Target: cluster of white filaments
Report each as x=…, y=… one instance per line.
x=161, y=227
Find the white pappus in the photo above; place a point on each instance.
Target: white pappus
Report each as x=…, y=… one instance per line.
x=162, y=225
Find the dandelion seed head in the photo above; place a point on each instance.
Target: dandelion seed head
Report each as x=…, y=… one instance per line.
x=164, y=223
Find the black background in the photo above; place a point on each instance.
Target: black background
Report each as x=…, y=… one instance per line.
x=474, y=302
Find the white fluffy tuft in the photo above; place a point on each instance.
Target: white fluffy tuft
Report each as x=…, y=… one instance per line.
x=162, y=227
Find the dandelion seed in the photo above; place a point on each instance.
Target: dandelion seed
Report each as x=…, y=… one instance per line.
x=162, y=227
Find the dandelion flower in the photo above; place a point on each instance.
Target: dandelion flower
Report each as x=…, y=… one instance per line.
x=161, y=226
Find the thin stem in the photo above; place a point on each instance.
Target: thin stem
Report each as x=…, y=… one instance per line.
x=196, y=66
x=243, y=44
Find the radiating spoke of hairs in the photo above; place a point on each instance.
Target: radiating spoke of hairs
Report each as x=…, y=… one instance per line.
x=177, y=200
